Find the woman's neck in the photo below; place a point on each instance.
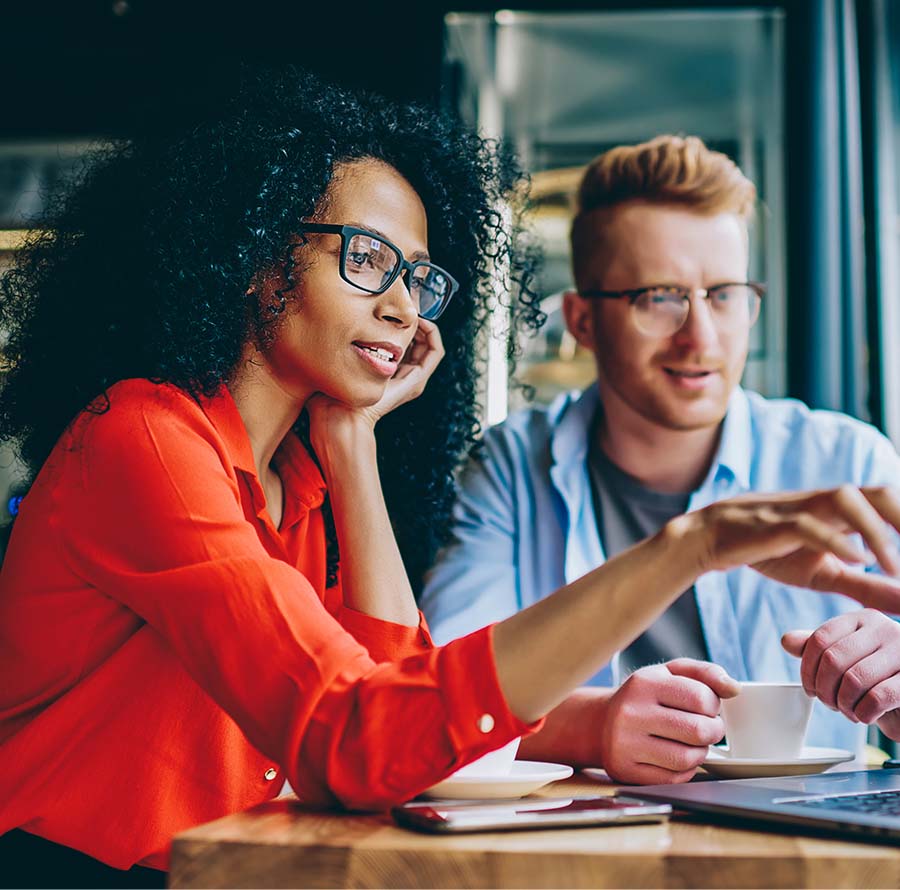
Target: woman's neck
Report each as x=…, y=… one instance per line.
x=267, y=410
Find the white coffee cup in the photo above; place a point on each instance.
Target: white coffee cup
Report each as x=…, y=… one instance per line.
x=767, y=720
x=494, y=763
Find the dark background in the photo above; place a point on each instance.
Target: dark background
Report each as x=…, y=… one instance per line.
x=104, y=67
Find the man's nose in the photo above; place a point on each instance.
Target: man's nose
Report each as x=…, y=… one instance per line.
x=699, y=329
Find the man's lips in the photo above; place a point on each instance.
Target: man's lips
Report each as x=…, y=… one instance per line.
x=689, y=372
x=691, y=379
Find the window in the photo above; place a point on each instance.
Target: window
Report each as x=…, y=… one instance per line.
x=562, y=87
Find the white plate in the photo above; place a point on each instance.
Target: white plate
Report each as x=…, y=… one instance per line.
x=524, y=777
x=811, y=760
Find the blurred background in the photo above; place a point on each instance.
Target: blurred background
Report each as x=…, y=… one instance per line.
x=803, y=94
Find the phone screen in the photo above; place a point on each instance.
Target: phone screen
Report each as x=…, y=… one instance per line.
x=451, y=816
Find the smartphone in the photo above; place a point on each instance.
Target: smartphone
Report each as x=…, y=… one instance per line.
x=447, y=817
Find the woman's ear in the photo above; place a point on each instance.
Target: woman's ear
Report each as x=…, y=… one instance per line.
x=579, y=314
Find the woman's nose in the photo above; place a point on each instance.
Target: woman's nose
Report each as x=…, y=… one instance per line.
x=397, y=305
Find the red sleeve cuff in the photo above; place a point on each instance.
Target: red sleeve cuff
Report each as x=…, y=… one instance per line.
x=386, y=640
x=384, y=736
x=482, y=720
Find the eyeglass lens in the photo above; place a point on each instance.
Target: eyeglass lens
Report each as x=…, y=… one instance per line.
x=663, y=311
x=370, y=264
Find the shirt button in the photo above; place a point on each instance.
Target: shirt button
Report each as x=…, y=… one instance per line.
x=485, y=723
x=270, y=774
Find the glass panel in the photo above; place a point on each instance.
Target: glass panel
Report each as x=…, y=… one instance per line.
x=887, y=185
x=564, y=87
x=29, y=171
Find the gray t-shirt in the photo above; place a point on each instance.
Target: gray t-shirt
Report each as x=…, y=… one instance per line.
x=627, y=512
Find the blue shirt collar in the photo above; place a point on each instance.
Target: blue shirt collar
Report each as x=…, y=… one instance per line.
x=736, y=445
x=569, y=444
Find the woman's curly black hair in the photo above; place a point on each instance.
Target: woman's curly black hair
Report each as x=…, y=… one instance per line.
x=142, y=269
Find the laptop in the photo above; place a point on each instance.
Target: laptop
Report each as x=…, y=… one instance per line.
x=858, y=803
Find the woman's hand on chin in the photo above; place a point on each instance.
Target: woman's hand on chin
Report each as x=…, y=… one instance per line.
x=416, y=367
x=334, y=424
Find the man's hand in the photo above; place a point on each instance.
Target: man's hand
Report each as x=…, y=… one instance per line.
x=852, y=664
x=661, y=721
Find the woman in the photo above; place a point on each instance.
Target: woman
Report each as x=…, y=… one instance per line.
x=201, y=348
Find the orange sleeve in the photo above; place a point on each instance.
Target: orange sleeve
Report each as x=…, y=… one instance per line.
x=385, y=640
x=154, y=520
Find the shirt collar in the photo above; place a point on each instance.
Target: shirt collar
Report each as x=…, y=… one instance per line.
x=299, y=473
x=570, y=438
x=225, y=417
x=735, y=451
x=733, y=455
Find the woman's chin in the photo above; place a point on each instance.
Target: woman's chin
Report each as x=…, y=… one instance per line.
x=362, y=397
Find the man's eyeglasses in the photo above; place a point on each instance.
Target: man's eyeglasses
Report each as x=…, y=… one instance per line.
x=372, y=264
x=662, y=309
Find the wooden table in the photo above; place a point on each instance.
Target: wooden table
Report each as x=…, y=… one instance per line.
x=279, y=845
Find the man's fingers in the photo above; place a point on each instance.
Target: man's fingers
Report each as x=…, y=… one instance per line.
x=644, y=774
x=673, y=756
x=865, y=675
x=879, y=700
x=696, y=730
x=819, y=641
x=844, y=657
x=794, y=641
x=711, y=675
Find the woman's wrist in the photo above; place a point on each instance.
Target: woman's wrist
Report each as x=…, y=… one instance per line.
x=348, y=440
x=686, y=541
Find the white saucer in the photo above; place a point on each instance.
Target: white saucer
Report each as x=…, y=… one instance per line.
x=811, y=760
x=524, y=777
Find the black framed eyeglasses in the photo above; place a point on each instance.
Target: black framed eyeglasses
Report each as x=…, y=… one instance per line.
x=661, y=310
x=372, y=264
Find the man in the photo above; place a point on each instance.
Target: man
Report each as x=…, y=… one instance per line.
x=660, y=261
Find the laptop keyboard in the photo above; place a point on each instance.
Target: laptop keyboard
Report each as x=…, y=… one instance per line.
x=876, y=803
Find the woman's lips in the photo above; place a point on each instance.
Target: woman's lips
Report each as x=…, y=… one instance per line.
x=377, y=358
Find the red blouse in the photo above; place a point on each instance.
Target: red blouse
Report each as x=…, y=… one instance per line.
x=167, y=656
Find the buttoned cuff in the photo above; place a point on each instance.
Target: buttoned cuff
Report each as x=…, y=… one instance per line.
x=481, y=720
x=386, y=640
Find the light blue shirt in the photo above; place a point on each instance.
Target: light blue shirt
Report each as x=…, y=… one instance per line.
x=524, y=526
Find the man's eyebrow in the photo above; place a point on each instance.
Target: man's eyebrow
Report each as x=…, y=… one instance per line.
x=418, y=255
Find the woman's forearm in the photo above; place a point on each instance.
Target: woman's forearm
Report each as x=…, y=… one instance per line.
x=545, y=651
x=373, y=577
